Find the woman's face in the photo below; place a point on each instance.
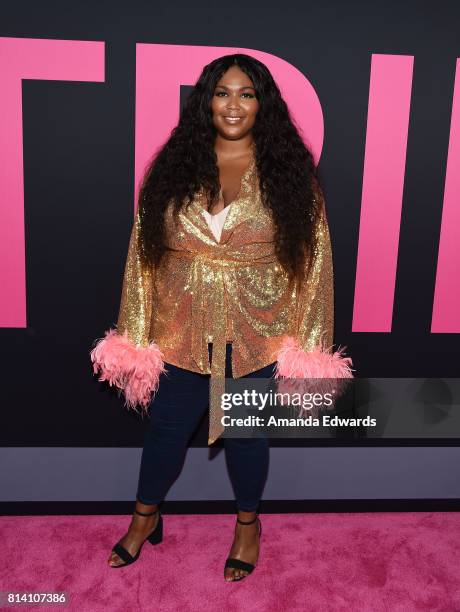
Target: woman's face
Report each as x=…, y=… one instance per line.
x=234, y=97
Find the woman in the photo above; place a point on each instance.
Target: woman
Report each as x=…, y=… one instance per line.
x=228, y=274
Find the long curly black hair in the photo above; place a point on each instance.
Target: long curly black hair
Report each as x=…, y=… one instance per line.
x=188, y=162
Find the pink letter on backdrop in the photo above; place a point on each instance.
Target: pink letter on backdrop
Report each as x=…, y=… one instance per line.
x=161, y=69
x=28, y=58
x=446, y=306
x=383, y=182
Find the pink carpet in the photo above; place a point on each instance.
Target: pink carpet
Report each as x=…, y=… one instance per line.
x=395, y=562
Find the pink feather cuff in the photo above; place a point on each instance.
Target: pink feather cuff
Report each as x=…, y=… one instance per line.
x=317, y=371
x=132, y=369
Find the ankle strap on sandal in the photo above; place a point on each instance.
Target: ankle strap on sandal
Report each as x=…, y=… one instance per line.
x=247, y=522
x=147, y=513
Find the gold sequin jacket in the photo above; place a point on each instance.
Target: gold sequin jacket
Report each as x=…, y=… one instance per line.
x=232, y=290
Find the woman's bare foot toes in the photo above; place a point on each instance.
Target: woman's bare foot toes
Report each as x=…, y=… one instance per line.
x=115, y=560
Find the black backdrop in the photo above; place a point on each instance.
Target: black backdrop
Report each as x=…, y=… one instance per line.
x=79, y=186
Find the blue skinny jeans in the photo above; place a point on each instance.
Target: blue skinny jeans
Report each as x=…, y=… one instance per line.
x=176, y=410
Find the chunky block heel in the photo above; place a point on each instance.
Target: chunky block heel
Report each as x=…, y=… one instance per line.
x=157, y=534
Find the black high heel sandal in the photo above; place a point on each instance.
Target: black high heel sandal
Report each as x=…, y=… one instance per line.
x=238, y=563
x=154, y=538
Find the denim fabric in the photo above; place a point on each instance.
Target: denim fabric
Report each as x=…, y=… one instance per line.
x=176, y=411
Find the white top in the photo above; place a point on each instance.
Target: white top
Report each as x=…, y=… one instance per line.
x=216, y=222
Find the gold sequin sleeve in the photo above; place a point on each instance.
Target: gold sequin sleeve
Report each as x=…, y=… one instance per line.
x=126, y=357
x=137, y=292
x=316, y=304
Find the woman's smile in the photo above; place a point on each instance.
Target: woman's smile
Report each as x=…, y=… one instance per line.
x=233, y=120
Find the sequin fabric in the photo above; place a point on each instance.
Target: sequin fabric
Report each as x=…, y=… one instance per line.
x=227, y=290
